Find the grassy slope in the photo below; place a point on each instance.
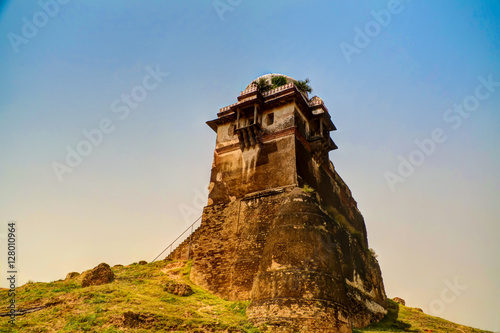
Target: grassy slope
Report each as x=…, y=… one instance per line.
x=139, y=288
x=136, y=288
x=401, y=318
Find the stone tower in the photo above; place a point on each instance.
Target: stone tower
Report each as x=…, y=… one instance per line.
x=281, y=228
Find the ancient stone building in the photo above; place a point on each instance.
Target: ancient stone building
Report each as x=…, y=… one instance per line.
x=281, y=227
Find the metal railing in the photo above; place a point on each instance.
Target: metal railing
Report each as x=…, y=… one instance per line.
x=170, y=246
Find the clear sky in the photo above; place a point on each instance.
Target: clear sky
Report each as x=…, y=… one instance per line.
x=391, y=73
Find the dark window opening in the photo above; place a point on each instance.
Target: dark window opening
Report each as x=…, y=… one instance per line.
x=270, y=119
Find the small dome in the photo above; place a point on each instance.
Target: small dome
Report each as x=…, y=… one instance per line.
x=268, y=78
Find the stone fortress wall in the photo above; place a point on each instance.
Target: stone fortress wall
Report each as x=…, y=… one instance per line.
x=281, y=227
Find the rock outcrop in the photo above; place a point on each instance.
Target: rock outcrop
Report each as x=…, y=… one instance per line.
x=399, y=300
x=72, y=275
x=178, y=288
x=100, y=274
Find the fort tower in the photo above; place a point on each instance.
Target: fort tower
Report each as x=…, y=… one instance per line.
x=281, y=227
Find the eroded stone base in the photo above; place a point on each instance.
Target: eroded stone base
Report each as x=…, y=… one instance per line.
x=305, y=316
x=303, y=269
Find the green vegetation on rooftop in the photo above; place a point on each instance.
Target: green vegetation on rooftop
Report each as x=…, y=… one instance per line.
x=280, y=80
x=303, y=85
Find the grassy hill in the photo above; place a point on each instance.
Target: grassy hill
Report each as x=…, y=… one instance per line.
x=136, y=301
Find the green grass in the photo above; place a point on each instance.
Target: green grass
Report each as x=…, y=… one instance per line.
x=139, y=291
x=137, y=288
x=405, y=319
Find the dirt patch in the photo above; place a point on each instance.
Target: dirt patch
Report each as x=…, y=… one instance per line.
x=136, y=320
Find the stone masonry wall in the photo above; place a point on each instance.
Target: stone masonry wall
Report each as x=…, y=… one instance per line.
x=226, y=249
x=309, y=258
x=281, y=250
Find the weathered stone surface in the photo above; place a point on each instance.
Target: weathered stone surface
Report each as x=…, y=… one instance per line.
x=143, y=262
x=399, y=300
x=72, y=275
x=301, y=257
x=101, y=274
x=178, y=288
x=304, y=272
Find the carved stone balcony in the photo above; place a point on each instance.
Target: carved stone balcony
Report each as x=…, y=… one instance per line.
x=249, y=136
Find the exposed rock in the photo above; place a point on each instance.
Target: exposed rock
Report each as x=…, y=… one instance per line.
x=72, y=275
x=134, y=320
x=177, y=288
x=143, y=262
x=20, y=312
x=131, y=319
x=399, y=300
x=101, y=274
x=419, y=309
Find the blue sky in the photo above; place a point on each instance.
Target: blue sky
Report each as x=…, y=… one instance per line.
x=124, y=201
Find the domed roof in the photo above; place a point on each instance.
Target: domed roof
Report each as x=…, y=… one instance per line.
x=268, y=78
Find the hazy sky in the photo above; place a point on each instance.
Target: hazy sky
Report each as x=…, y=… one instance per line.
x=140, y=78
